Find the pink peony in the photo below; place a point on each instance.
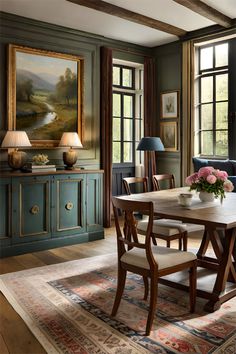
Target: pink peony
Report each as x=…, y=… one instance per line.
x=221, y=175
x=211, y=179
x=191, y=179
x=205, y=171
x=228, y=186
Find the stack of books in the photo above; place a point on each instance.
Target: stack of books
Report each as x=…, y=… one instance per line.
x=40, y=168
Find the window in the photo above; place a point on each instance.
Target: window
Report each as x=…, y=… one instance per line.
x=127, y=113
x=212, y=101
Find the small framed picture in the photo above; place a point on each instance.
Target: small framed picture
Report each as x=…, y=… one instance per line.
x=168, y=135
x=170, y=104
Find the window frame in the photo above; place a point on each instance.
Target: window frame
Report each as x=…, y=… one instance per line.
x=136, y=91
x=210, y=72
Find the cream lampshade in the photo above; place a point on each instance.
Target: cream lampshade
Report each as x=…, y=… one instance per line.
x=16, y=139
x=70, y=156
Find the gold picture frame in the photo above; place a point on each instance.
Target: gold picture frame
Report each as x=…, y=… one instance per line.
x=170, y=104
x=168, y=134
x=45, y=94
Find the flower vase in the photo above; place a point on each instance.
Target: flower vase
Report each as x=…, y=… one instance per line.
x=206, y=197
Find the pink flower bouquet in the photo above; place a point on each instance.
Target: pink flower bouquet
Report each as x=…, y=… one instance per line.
x=210, y=180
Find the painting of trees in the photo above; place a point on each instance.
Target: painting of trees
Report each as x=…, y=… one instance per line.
x=45, y=93
x=66, y=88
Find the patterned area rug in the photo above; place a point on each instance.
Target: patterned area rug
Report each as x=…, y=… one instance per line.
x=67, y=306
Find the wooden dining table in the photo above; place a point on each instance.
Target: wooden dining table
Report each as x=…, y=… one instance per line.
x=217, y=272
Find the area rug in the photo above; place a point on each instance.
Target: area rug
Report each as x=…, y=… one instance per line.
x=67, y=306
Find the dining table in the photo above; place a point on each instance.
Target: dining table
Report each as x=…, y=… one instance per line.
x=216, y=276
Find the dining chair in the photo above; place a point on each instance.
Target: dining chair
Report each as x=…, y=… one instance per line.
x=136, y=255
x=165, y=229
x=132, y=182
x=168, y=178
x=169, y=181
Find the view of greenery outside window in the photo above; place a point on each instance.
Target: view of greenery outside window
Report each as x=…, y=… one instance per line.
x=212, y=101
x=127, y=113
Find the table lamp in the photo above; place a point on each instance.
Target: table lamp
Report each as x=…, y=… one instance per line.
x=151, y=144
x=16, y=139
x=70, y=156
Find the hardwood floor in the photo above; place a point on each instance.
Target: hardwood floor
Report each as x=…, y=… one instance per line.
x=15, y=337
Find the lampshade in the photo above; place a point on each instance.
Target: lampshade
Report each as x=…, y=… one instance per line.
x=15, y=139
x=70, y=139
x=150, y=143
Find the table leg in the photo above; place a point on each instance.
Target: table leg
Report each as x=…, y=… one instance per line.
x=224, y=254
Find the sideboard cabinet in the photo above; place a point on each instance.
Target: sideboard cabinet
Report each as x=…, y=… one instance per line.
x=46, y=210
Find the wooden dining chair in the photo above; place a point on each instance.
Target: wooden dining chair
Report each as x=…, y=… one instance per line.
x=131, y=183
x=139, y=257
x=182, y=229
x=164, y=229
x=168, y=178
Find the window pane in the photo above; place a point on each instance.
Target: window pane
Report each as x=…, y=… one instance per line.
x=116, y=128
x=116, y=152
x=127, y=78
x=127, y=152
x=222, y=87
x=222, y=143
x=206, y=58
x=222, y=115
x=207, y=89
x=207, y=143
x=206, y=116
x=128, y=106
x=116, y=105
x=128, y=129
x=116, y=75
x=221, y=54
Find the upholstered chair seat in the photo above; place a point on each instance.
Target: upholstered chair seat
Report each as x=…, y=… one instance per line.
x=164, y=257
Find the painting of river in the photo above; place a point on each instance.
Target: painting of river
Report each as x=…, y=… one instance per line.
x=47, y=93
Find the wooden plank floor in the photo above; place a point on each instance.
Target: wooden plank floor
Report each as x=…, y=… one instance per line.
x=15, y=337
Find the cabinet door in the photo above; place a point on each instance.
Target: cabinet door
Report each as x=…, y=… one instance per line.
x=94, y=202
x=69, y=208
x=6, y=210
x=31, y=208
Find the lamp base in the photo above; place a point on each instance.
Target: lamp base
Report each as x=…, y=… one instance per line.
x=17, y=159
x=70, y=158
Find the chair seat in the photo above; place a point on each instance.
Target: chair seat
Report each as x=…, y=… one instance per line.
x=164, y=257
x=168, y=227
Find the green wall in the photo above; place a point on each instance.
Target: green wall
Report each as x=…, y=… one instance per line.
x=36, y=34
x=169, y=61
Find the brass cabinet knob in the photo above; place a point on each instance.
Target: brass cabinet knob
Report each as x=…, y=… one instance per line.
x=35, y=209
x=69, y=206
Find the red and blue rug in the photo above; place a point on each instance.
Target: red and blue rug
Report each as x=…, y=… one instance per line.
x=67, y=307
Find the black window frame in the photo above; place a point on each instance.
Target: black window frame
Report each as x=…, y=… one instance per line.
x=122, y=141
x=132, y=87
x=211, y=72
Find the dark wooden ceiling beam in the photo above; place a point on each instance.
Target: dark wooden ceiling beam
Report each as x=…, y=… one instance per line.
x=205, y=10
x=130, y=16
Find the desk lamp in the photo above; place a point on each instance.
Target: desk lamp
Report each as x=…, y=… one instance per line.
x=16, y=139
x=70, y=156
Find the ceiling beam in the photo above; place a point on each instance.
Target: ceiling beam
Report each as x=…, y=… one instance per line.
x=130, y=16
x=205, y=10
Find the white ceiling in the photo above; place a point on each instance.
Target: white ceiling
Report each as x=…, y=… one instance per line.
x=70, y=15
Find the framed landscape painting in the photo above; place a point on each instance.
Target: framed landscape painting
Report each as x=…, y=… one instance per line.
x=170, y=104
x=45, y=94
x=169, y=135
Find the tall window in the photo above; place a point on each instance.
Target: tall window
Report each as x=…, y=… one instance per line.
x=127, y=113
x=212, y=101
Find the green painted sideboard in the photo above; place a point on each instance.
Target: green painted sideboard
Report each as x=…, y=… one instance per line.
x=46, y=210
